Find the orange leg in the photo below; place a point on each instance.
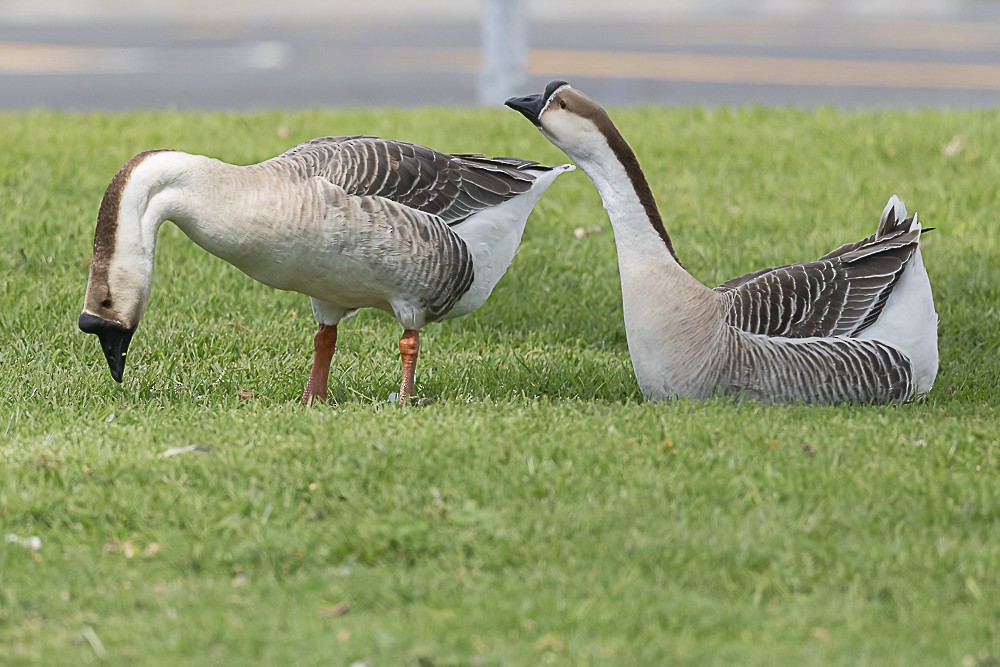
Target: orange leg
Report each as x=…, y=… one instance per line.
x=409, y=346
x=325, y=344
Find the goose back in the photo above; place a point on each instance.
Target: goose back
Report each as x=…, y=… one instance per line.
x=452, y=187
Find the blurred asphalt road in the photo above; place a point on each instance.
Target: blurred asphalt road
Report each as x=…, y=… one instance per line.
x=117, y=54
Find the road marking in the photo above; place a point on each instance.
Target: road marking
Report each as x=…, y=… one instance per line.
x=33, y=59
x=762, y=70
x=895, y=34
x=767, y=70
x=19, y=58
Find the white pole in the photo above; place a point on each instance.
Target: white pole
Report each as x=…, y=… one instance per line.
x=504, y=34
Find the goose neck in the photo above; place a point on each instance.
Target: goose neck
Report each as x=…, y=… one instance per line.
x=627, y=197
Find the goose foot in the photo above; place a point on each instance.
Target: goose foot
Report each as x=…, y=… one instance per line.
x=414, y=401
x=325, y=344
x=409, y=347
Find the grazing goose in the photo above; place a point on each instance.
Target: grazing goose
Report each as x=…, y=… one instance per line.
x=352, y=222
x=856, y=325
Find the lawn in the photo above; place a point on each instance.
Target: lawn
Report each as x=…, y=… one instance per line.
x=535, y=511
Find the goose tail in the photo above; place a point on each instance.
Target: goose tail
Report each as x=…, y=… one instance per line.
x=894, y=218
x=493, y=236
x=909, y=320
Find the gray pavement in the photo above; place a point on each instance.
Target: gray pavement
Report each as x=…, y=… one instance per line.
x=113, y=54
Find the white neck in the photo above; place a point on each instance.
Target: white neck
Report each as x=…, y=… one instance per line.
x=669, y=315
x=225, y=209
x=643, y=253
x=172, y=186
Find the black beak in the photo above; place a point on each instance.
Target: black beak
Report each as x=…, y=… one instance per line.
x=529, y=105
x=532, y=105
x=114, y=341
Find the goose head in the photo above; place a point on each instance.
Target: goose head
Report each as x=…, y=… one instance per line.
x=121, y=272
x=112, y=309
x=117, y=294
x=569, y=119
x=585, y=132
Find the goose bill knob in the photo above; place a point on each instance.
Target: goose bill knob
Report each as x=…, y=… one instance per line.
x=114, y=341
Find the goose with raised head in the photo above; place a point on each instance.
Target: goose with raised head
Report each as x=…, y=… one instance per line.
x=857, y=325
x=352, y=222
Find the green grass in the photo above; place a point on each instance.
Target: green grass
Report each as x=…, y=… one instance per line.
x=538, y=512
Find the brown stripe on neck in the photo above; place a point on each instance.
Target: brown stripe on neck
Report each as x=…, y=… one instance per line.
x=630, y=162
x=107, y=219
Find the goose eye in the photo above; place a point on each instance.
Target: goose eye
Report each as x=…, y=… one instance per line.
x=562, y=104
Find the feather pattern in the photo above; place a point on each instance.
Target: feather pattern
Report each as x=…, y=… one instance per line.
x=816, y=370
x=452, y=187
x=795, y=328
x=840, y=294
x=408, y=252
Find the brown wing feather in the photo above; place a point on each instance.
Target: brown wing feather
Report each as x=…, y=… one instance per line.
x=840, y=294
x=452, y=187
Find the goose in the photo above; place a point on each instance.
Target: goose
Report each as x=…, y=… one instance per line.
x=351, y=222
x=857, y=325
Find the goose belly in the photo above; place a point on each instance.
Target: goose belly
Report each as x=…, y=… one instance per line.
x=359, y=261
x=332, y=277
